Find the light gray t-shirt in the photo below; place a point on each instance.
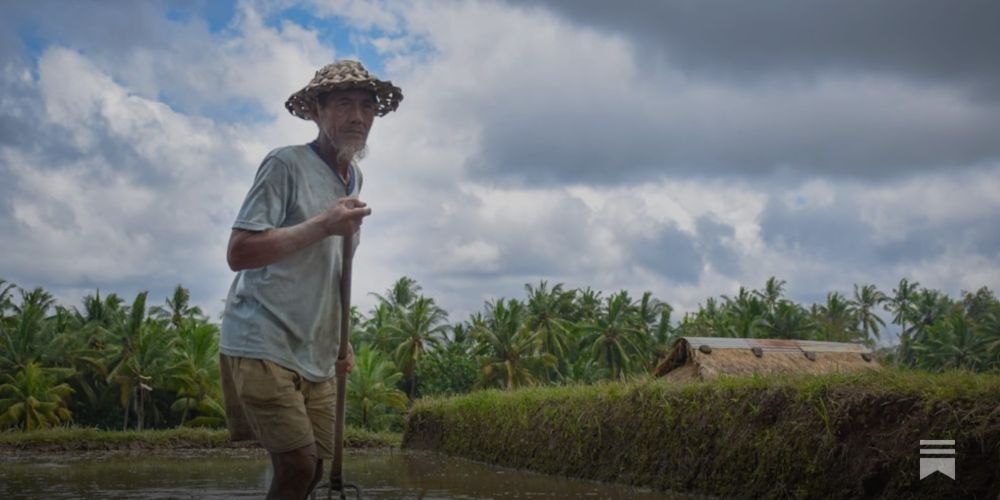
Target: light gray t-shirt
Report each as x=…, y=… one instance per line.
x=288, y=312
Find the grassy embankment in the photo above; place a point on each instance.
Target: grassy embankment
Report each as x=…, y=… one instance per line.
x=799, y=436
x=79, y=439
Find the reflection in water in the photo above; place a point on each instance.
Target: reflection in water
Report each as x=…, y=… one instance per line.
x=239, y=473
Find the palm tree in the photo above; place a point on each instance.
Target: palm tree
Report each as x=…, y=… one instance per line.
x=587, y=304
x=32, y=399
x=178, y=308
x=138, y=363
x=866, y=300
x=510, y=354
x=929, y=306
x=647, y=312
x=30, y=334
x=402, y=293
x=694, y=325
x=745, y=316
x=5, y=299
x=195, y=373
x=835, y=319
x=420, y=326
x=951, y=342
x=102, y=312
x=371, y=390
x=546, y=317
x=789, y=321
x=663, y=336
x=901, y=305
x=989, y=328
x=613, y=337
x=375, y=330
x=772, y=294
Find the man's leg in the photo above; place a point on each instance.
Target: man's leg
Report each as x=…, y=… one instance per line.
x=295, y=474
x=320, y=400
x=317, y=477
x=276, y=410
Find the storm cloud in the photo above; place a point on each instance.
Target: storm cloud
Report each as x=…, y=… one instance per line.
x=845, y=89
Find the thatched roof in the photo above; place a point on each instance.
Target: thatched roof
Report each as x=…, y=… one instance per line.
x=707, y=357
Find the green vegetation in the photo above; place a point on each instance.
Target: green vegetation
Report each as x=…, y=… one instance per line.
x=112, y=364
x=831, y=436
x=72, y=438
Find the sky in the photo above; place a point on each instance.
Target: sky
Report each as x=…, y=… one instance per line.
x=682, y=148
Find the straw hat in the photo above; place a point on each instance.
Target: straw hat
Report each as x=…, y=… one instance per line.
x=343, y=75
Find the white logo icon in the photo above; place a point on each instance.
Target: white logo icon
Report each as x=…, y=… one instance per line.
x=931, y=461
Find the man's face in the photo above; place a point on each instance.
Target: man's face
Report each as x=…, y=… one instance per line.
x=345, y=118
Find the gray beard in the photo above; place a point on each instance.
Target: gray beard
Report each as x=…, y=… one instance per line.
x=349, y=153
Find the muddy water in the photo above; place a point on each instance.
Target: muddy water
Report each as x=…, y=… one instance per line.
x=242, y=473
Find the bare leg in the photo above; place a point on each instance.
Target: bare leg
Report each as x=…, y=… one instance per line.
x=293, y=473
x=317, y=477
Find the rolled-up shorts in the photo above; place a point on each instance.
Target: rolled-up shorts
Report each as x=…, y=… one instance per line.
x=285, y=411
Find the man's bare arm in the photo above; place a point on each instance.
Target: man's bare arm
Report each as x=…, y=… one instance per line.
x=252, y=249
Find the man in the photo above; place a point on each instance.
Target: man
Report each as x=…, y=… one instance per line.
x=280, y=329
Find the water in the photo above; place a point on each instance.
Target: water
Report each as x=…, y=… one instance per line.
x=242, y=473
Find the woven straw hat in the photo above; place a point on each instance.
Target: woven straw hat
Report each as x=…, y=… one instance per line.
x=343, y=75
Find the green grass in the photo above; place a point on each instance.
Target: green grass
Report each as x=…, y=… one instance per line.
x=798, y=436
x=73, y=438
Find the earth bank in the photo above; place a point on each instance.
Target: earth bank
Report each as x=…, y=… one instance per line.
x=789, y=436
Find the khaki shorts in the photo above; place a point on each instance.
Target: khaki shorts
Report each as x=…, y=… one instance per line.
x=285, y=411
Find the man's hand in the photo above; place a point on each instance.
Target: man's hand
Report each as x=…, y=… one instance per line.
x=346, y=365
x=251, y=249
x=345, y=216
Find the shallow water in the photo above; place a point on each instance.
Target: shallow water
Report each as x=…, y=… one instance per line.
x=241, y=473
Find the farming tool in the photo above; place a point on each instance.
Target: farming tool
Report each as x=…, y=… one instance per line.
x=336, y=482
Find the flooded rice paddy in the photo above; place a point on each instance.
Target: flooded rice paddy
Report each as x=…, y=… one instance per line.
x=221, y=474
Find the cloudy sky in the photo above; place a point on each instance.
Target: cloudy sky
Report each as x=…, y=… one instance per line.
x=685, y=148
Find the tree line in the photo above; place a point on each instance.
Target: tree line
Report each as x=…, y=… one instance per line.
x=117, y=364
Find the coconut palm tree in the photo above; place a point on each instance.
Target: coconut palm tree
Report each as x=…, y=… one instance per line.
x=989, y=329
x=371, y=390
x=866, y=300
x=32, y=399
x=613, y=338
x=647, y=311
x=772, y=294
x=138, y=362
x=375, y=330
x=546, y=317
x=5, y=299
x=952, y=342
x=836, y=322
x=929, y=306
x=901, y=306
x=695, y=325
x=102, y=312
x=420, y=326
x=194, y=373
x=178, y=308
x=402, y=293
x=744, y=316
x=29, y=336
x=510, y=356
x=663, y=335
x=587, y=304
x=789, y=321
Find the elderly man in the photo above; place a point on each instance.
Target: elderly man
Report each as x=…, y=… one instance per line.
x=280, y=329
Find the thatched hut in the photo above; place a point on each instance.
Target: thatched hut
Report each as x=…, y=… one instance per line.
x=700, y=358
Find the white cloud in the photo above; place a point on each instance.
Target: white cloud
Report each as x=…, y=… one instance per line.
x=139, y=167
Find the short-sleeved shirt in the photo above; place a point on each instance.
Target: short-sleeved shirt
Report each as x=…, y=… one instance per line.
x=288, y=312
